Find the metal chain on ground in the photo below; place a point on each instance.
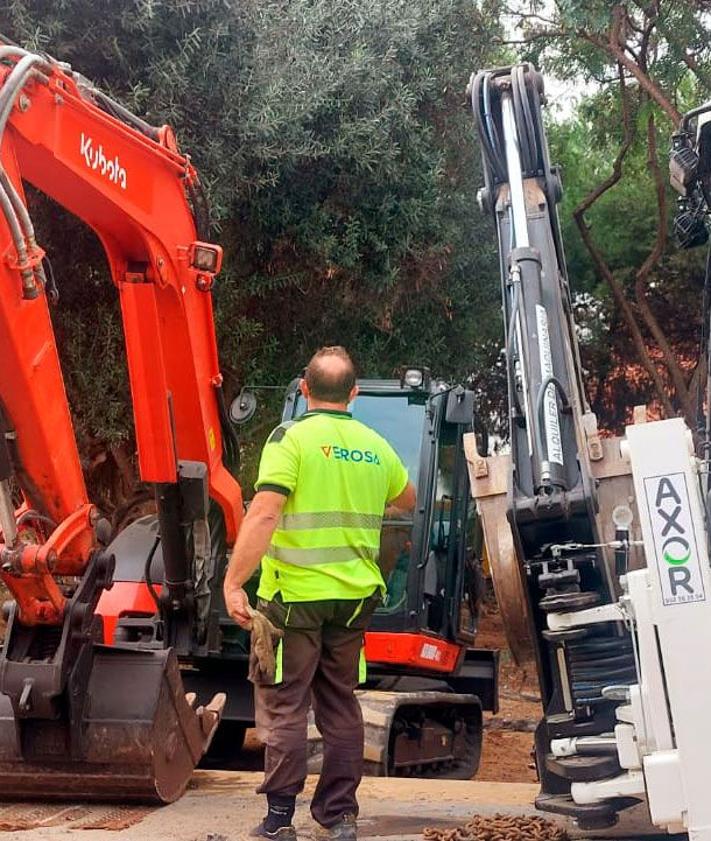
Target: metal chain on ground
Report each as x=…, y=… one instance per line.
x=500, y=828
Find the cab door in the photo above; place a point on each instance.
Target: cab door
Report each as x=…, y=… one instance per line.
x=456, y=543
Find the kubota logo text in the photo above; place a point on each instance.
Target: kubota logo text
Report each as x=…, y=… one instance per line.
x=674, y=539
x=95, y=158
x=342, y=454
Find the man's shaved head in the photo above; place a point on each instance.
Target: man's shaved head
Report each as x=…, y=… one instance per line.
x=330, y=375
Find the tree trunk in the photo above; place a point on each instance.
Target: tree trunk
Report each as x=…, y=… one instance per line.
x=601, y=266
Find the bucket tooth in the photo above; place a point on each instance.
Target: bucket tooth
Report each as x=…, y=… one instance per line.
x=209, y=717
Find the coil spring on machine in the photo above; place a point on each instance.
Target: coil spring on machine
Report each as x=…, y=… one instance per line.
x=595, y=656
x=597, y=662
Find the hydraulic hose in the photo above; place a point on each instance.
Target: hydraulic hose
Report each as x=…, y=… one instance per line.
x=14, y=83
x=13, y=207
x=31, y=514
x=533, y=144
x=51, y=285
x=518, y=92
x=7, y=50
x=29, y=287
x=25, y=221
x=511, y=338
x=534, y=101
x=18, y=205
x=480, y=98
x=7, y=515
x=99, y=98
x=490, y=127
x=147, y=574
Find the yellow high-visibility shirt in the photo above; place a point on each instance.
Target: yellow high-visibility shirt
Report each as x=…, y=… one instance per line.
x=338, y=475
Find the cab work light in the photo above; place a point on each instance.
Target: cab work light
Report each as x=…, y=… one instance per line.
x=206, y=257
x=418, y=378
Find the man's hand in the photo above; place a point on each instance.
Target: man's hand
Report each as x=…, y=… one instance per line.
x=237, y=604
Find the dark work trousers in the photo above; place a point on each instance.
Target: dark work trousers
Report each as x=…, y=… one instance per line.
x=320, y=664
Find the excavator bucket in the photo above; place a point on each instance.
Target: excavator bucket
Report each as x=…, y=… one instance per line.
x=134, y=737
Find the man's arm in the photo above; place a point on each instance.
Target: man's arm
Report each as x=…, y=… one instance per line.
x=252, y=542
x=404, y=503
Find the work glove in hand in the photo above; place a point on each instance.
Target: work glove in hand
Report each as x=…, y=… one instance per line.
x=265, y=637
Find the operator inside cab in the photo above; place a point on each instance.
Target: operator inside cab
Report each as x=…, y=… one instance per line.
x=325, y=480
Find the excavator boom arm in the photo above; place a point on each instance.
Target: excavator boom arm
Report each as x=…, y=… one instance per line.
x=138, y=737
x=552, y=523
x=133, y=190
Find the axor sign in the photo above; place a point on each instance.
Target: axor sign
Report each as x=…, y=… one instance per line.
x=675, y=547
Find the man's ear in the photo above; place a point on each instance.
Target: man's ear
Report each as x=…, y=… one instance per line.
x=354, y=393
x=304, y=388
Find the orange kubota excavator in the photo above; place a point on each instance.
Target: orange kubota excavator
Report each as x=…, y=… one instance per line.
x=76, y=717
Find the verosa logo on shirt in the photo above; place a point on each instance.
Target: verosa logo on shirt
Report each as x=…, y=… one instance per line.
x=342, y=454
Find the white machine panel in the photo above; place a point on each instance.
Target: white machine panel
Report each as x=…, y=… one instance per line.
x=673, y=621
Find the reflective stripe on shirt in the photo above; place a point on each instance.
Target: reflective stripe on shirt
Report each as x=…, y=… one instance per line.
x=322, y=555
x=330, y=519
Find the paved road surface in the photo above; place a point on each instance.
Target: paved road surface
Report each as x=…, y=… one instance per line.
x=222, y=806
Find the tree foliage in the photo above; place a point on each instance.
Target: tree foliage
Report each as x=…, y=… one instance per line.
x=649, y=62
x=337, y=151
x=334, y=142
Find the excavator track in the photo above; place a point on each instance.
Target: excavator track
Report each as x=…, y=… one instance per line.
x=415, y=734
x=138, y=738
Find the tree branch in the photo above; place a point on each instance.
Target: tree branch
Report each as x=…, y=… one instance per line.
x=599, y=261
x=521, y=16
x=613, y=47
x=642, y=276
x=548, y=34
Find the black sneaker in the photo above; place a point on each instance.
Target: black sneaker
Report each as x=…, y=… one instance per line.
x=344, y=830
x=283, y=833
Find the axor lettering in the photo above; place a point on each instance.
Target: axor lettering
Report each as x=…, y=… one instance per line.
x=674, y=539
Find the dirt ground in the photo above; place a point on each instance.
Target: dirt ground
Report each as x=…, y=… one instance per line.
x=508, y=736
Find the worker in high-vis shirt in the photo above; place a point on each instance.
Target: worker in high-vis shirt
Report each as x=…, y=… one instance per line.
x=325, y=480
